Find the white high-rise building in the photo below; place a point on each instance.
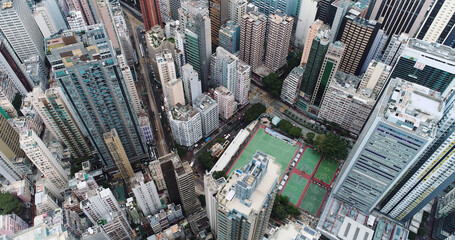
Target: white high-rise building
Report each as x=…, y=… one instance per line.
x=291, y=85
x=166, y=67
x=75, y=20
x=165, y=10
x=42, y=158
x=243, y=81
x=99, y=203
x=374, y=79
x=237, y=8
x=226, y=102
x=191, y=83
x=186, y=125
x=19, y=27
x=130, y=86
x=211, y=188
x=208, y=108
x=308, y=10
x=393, y=51
x=223, y=69
x=7, y=169
x=145, y=193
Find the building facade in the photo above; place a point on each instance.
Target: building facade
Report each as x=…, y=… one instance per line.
x=118, y=153
x=229, y=36
x=208, y=108
x=252, y=38
x=242, y=84
x=185, y=124
x=191, y=83
x=223, y=69
x=146, y=194
x=226, y=102
x=278, y=38
x=291, y=85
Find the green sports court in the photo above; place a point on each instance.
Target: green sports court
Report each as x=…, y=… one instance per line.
x=313, y=199
x=308, y=161
x=326, y=170
x=294, y=188
x=282, y=152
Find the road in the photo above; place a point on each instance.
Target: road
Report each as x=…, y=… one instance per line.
x=159, y=135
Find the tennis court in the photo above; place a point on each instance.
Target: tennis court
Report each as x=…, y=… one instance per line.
x=313, y=199
x=280, y=150
x=308, y=161
x=326, y=170
x=294, y=188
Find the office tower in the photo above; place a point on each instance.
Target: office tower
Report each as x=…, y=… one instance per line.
x=328, y=70
x=47, y=164
x=357, y=45
x=229, y=36
x=173, y=93
x=245, y=202
x=399, y=17
x=313, y=30
x=185, y=124
x=49, y=20
x=316, y=57
x=211, y=188
x=102, y=103
x=75, y=20
x=191, y=83
x=242, y=85
x=400, y=128
x=268, y=7
x=219, y=14
x=394, y=49
x=145, y=192
x=144, y=125
x=99, y=203
x=208, y=108
x=198, y=46
x=54, y=109
x=105, y=15
x=130, y=85
x=438, y=24
x=237, y=8
x=166, y=164
x=223, y=69
x=345, y=106
x=165, y=14
x=20, y=29
x=375, y=50
x=85, y=8
x=185, y=183
x=428, y=64
x=305, y=20
x=11, y=224
x=374, y=79
x=165, y=67
x=174, y=6
x=118, y=153
x=252, y=39
x=323, y=12
x=447, y=204
x=430, y=174
x=278, y=38
x=226, y=102
x=291, y=85
x=341, y=7
x=150, y=10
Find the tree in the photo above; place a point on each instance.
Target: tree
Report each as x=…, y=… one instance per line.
x=218, y=174
x=273, y=84
x=289, y=129
x=310, y=137
x=279, y=212
x=254, y=112
x=319, y=142
x=206, y=160
x=9, y=204
x=331, y=145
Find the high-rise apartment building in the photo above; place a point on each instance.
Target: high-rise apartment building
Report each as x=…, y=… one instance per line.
x=279, y=31
x=399, y=17
x=130, y=85
x=8, y=170
x=166, y=164
x=104, y=14
x=429, y=64
x=447, y=204
x=118, y=153
x=185, y=183
x=191, y=83
x=291, y=85
x=399, y=130
x=47, y=164
x=313, y=30
x=340, y=8
x=11, y=224
x=376, y=48
x=393, y=51
x=84, y=7
x=99, y=203
x=245, y=202
x=166, y=67
x=49, y=20
x=9, y=140
x=151, y=14
x=438, y=25
x=145, y=192
x=95, y=89
x=226, y=102
x=237, y=8
x=223, y=69
x=243, y=81
x=304, y=19
x=357, y=45
x=58, y=117
x=174, y=6
x=211, y=188
x=323, y=12
x=230, y=36
x=165, y=11
x=219, y=14
x=185, y=124
x=252, y=38
x=81, y=184
x=117, y=227
x=173, y=92
x=208, y=108
x=157, y=174
x=20, y=29
x=374, y=79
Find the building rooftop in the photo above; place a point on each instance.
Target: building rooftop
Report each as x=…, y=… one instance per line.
x=280, y=18
x=204, y=102
x=412, y=107
x=255, y=16
x=259, y=177
x=349, y=84
x=183, y=112
x=432, y=48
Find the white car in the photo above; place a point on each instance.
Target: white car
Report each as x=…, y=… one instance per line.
x=280, y=187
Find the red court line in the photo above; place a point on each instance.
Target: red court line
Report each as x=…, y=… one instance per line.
x=322, y=203
x=303, y=195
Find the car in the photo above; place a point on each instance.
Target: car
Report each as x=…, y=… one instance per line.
x=293, y=164
x=280, y=187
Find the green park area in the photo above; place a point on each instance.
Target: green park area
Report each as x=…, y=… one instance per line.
x=326, y=170
x=294, y=188
x=313, y=199
x=308, y=161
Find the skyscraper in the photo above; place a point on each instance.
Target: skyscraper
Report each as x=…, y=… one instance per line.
x=95, y=89
x=9, y=149
x=439, y=24
x=313, y=30
x=245, y=202
x=230, y=36
x=226, y=102
x=166, y=164
x=375, y=50
x=291, y=84
x=145, y=192
x=400, y=128
x=99, y=203
x=357, y=45
x=191, y=84
x=243, y=81
x=268, y=7
x=394, y=49
x=208, y=108
x=185, y=124
x=150, y=10
x=252, y=39
x=54, y=109
x=84, y=7
x=185, y=183
x=173, y=93
x=374, y=79
x=304, y=19
x=429, y=64
x=118, y=153
x=278, y=37
x=174, y=6
x=211, y=188
x=223, y=69
x=237, y=8
x=130, y=85
x=166, y=67
x=104, y=14
x=165, y=11
x=49, y=20
x=219, y=14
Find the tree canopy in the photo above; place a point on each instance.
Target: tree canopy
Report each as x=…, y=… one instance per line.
x=282, y=208
x=9, y=204
x=218, y=174
x=288, y=128
x=273, y=84
x=310, y=137
x=331, y=145
x=206, y=160
x=254, y=112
